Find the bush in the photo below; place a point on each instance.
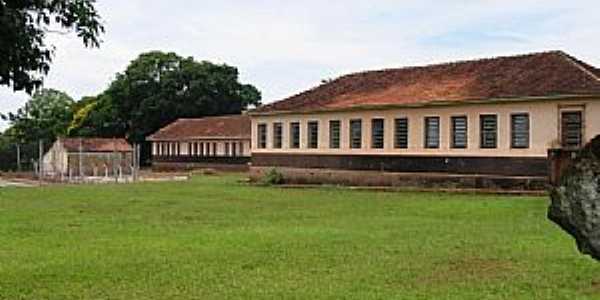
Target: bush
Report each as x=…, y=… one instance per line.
x=272, y=177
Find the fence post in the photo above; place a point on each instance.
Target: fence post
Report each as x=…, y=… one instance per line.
x=41, y=160
x=81, y=158
x=18, y=157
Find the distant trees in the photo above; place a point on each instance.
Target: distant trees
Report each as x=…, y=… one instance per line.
x=155, y=89
x=44, y=117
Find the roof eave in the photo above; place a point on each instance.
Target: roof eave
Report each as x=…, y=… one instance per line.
x=435, y=103
x=190, y=138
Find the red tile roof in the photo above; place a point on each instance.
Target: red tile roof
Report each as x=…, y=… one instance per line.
x=235, y=127
x=532, y=75
x=96, y=145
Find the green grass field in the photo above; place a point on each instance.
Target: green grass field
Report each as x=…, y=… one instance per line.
x=214, y=238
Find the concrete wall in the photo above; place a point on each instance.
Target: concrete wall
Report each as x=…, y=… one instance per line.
x=55, y=161
x=544, y=129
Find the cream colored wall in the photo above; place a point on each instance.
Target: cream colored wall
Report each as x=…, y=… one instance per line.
x=183, y=147
x=55, y=160
x=544, y=129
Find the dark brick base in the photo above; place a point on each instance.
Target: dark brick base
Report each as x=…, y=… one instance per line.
x=404, y=180
x=505, y=166
x=185, y=163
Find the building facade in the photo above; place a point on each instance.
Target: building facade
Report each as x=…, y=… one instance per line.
x=90, y=157
x=486, y=117
x=213, y=142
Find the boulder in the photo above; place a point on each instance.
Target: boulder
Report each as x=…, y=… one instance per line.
x=575, y=203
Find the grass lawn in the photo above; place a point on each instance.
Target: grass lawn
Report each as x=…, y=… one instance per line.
x=213, y=238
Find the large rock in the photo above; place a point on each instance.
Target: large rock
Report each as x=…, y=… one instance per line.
x=575, y=203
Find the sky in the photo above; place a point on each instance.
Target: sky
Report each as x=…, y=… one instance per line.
x=286, y=47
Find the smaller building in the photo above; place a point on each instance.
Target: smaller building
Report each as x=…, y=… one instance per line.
x=212, y=142
x=88, y=157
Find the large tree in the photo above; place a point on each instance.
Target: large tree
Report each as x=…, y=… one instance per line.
x=45, y=116
x=157, y=88
x=25, y=56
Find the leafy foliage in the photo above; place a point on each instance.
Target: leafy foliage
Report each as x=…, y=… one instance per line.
x=272, y=177
x=156, y=89
x=44, y=117
x=24, y=55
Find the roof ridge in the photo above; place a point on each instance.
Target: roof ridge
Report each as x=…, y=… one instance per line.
x=456, y=62
x=578, y=64
x=416, y=67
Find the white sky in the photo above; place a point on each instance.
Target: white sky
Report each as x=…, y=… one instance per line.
x=285, y=47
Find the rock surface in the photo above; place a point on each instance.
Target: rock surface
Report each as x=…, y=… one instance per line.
x=575, y=203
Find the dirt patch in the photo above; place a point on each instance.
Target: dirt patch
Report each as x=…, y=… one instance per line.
x=461, y=270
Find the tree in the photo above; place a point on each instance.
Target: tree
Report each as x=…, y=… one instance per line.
x=45, y=116
x=95, y=117
x=157, y=88
x=24, y=55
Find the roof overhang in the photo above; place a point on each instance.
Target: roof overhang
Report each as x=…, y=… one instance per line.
x=197, y=138
x=435, y=103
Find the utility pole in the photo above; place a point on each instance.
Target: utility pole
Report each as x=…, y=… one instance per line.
x=18, y=157
x=114, y=159
x=81, y=159
x=40, y=161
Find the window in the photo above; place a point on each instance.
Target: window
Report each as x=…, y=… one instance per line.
x=261, y=136
x=519, y=131
x=295, y=135
x=377, y=133
x=215, y=151
x=432, y=132
x=460, y=138
x=356, y=134
x=234, y=149
x=401, y=133
x=226, y=149
x=277, y=133
x=571, y=129
x=313, y=134
x=489, y=131
x=334, y=134
x=241, y=149
x=202, y=152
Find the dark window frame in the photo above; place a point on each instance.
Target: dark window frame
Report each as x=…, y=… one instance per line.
x=355, y=140
x=483, y=139
x=261, y=136
x=295, y=136
x=378, y=138
x=277, y=135
x=427, y=133
x=335, y=134
x=564, y=135
x=514, y=144
x=401, y=135
x=454, y=138
x=312, y=134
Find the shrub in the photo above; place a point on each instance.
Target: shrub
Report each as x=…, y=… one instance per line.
x=272, y=177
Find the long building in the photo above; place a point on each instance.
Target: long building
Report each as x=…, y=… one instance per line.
x=496, y=117
x=212, y=142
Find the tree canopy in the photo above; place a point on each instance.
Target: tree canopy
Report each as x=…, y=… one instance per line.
x=45, y=116
x=24, y=55
x=156, y=89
